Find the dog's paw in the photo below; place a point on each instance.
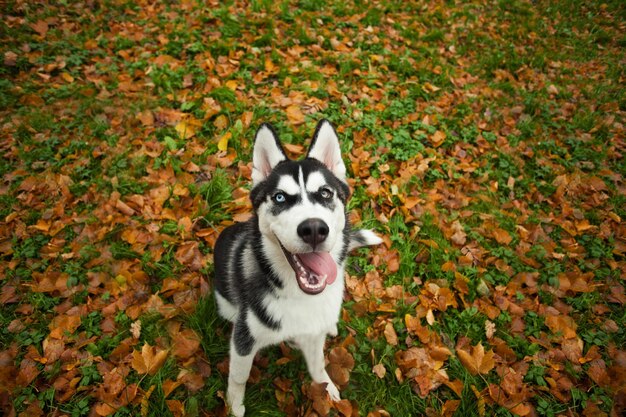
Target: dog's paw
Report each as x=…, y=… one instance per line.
x=238, y=410
x=333, y=392
x=333, y=332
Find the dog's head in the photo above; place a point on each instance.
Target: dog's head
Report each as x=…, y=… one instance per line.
x=301, y=205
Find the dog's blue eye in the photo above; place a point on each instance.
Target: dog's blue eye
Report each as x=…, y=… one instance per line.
x=279, y=198
x=326, y=193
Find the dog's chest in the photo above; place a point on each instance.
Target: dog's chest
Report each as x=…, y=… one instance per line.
x=307, y=314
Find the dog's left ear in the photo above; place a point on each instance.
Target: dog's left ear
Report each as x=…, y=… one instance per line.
x=325, y=148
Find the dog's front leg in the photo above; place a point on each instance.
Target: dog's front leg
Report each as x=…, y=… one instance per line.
x=242, y=353
x=237, y=377
x=312, y=347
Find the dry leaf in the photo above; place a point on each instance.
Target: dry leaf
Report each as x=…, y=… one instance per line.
x=390, y=334
x=149, y=360
x=379, y=370
x=341, y=363
x=295, y=115
x=477, y=361
x=222, y=144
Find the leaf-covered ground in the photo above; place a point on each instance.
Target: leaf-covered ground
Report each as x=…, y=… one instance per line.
x=485, y=141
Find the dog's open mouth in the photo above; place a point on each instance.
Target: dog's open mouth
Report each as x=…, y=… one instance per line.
x=314, y=270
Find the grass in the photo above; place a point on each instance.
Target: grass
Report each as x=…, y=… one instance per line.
x=485, y=141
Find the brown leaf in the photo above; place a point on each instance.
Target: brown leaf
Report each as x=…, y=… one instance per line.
x=146, y=118
x=344, y=407
x=149, y=360
x=221, y=122
x=28, y=372
x=41, y=27
x=321, y=400
x=341, y=363
x=390, y=334
x=438, y=138
x=186, y=343
x=477, y=361
x=564, y=325
x=176, y=407
x=10, y=58
x=189, y=255
x=62, y=325
x=295, y=115
x=501, y=236
x=379, y=370
x=192, y=380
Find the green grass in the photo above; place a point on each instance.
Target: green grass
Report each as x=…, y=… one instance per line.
x=101, y=198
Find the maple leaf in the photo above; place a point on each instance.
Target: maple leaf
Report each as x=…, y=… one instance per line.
x=477, y=361
x=149, y=360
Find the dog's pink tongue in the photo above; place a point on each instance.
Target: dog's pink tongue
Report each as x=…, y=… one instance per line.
x=321, y=263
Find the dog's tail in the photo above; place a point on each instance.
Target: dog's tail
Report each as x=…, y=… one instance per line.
x=363, y=237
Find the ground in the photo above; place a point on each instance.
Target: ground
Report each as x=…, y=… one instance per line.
x=484, y=140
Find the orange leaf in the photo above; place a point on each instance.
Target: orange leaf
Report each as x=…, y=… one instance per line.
x=231, y=84
x=562, y=324
x=295, y=115
x=502, y=236
x=437, y=138
x=478, y=361
x=221, y=122
x=149, y=360
x=390, y=334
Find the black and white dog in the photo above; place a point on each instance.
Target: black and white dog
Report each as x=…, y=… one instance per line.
x=279, y=276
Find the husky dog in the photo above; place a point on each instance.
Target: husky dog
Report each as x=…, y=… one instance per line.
x=279, y=276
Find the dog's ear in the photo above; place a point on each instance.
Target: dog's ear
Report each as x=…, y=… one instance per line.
x=268, y=152
x=325, y=148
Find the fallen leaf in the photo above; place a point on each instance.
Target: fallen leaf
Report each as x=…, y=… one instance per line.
x=379, y=370
x=222, y=144
x=149, y=360
x=340, y=365
x=295, y=115
x=390, y=334
x=477, y=361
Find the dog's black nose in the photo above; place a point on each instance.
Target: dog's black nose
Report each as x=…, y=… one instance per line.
x=313, y=231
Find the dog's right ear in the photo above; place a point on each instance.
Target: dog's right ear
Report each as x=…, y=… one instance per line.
x=268, y=152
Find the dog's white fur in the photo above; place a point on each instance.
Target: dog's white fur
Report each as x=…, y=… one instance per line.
x=304, y=319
